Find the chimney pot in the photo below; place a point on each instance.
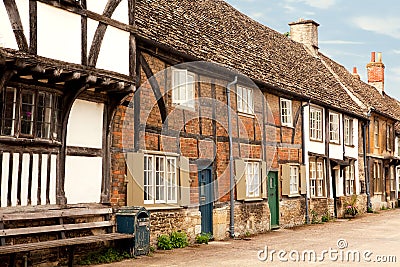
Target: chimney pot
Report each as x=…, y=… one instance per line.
x=376, y=72
x=354, y=70
x=372, y=56
x=380, y=57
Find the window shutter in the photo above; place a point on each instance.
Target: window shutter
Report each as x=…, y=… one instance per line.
x=285, y=179
x=264, y=179
x=303, y=179
x=240, y=179
x=135, y=177
x=184, y=178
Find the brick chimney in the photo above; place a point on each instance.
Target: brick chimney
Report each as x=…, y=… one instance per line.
x=376, y=72
x=305, y=32
x=355, y=73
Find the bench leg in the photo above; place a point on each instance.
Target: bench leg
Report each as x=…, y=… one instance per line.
x=12, y=260
x=71, y=251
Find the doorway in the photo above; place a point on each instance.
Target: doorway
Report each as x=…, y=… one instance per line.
x=206, y=200
x=273, y=200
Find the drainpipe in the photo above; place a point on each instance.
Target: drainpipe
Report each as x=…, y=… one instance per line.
x=231, y=180
x=366, y=148
x=303, y=154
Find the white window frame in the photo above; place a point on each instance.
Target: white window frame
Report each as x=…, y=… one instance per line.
x=315, y=124
x=334, y=136
x=245, y=100
x=388, y=137
x=313, y=178
x=183, y=88
x=376, y=133
x=160, y=184
x=348, y=131
x=317, y=178
x=294, y=180
x=253, y=179
x=286, y=112
x=349, y=179
x=377, y=173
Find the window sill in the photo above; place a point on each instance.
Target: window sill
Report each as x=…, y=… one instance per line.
x=184, y=107
x=294, y=195
x=287, y=125
x=22, y=140
x=248, y=115
x=353, y=146
x=162, y=207
x=334, y=143
x=321, y=197
x=253, y=199
x=316, y=140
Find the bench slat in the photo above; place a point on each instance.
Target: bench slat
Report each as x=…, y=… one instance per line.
x=54, y=214
x=62, y=242
x=53, y=228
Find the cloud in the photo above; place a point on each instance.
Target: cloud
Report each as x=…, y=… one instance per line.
x=395, y=51
x=323, y=4
x=341, y=42
x=389, y=26
x=257, y=15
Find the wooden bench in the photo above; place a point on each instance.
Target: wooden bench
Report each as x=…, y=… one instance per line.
x=59, y=222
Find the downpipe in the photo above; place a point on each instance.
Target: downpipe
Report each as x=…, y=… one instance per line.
x=231, y=177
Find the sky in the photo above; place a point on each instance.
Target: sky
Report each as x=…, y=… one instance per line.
x=349, y=30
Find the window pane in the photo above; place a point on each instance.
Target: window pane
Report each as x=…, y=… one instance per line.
x=27, y=112
x=160, y=179
x=148, y=178
x=8, y=108
x=171, y=180
x=239, y=98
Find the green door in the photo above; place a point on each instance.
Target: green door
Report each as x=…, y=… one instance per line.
x=273, y=198
x=206, y=201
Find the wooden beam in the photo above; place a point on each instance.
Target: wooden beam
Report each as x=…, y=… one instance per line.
x=100, y=32
x=33, y=26
x=155, y=87
x=16, y=24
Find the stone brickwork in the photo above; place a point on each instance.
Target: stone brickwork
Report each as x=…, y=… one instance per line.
x=320, y=207
x=167, y=221
x=344, y=201
x=250, y=218
x=292, y=212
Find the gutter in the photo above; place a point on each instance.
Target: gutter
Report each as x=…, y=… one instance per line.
x=231, y=177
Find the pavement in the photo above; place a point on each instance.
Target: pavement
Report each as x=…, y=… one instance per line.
x=367, y=240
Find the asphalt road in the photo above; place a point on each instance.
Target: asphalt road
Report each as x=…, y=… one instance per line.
x=367, y=240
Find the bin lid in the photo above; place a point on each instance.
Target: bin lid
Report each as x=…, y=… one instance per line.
x=129, y=211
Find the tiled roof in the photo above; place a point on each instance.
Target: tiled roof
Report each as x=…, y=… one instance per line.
x=368, y=94
x=212, y=30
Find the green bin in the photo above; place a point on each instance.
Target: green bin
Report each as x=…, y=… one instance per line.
x=135, y=220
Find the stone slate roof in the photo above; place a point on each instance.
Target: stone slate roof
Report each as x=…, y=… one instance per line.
x=368, y=94
x=212, y=30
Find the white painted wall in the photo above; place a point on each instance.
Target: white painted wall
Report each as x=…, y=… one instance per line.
x=120, y=13
x=114, y=51
x=59, y=34
x=85, y=124
x=83, y=176
x=7, y=38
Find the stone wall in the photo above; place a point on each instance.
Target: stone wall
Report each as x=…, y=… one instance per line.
x=250, y=218
x=361, y=204
x=292, y=212
x=167, y=221
x=319, y=207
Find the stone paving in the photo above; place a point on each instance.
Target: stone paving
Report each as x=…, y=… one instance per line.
x=371, y=237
